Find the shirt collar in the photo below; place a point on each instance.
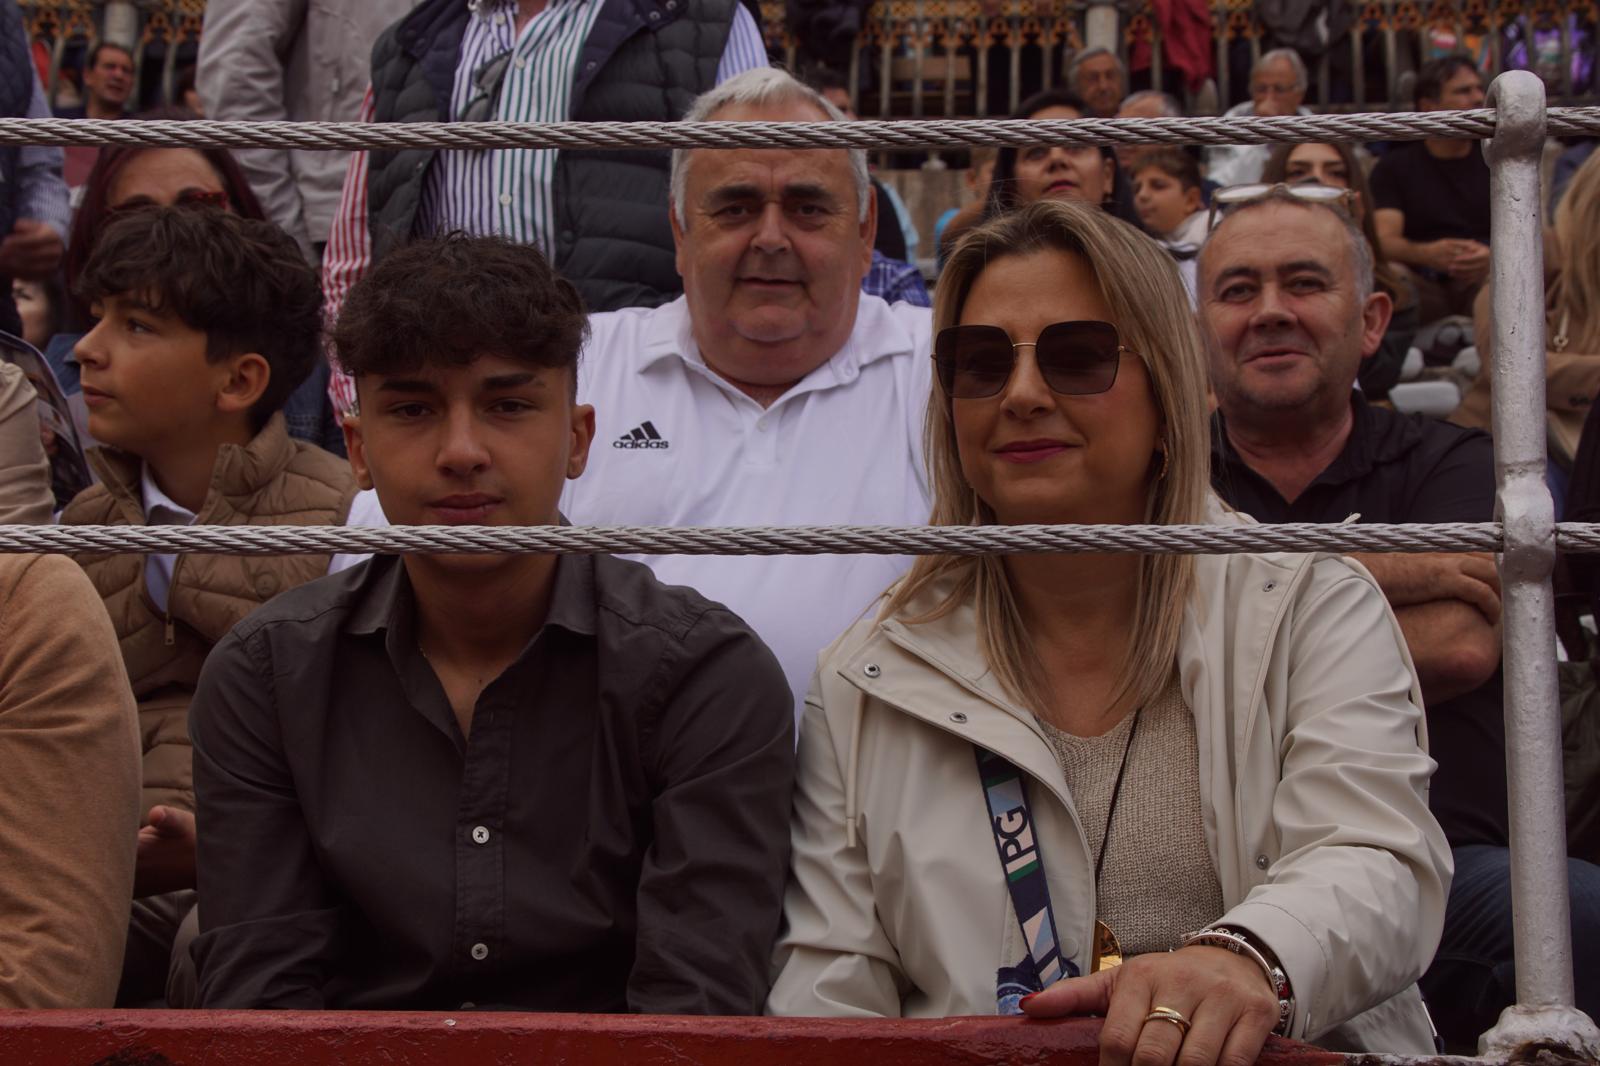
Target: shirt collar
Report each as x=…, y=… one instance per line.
x=159, y=508
x=386, y=602
x=1374, y=440
x=878, y=333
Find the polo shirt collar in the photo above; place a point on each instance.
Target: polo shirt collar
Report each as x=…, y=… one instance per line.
x=877, y=334
x=1374, y=441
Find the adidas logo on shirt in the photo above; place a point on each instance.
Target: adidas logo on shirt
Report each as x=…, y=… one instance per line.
x=644, y=436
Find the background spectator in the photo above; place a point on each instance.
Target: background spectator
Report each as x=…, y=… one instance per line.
x=1100, y=81
x=1431, y=198
x=39, y=307
x=1572, y=323
x=1053, y=171
x=897, y=235
x=1278, y=84
x=957, y=220
x=599, y=217
x=1167, y=198
x=1338, y=166
x=186, y=95
x=1145, y=104
x=69, y=787
x=33, y=199
x=132, y=176
x=107, y=83
x=289, y=60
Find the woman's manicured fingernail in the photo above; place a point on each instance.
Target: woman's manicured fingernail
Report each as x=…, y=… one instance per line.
x=1023, y=1002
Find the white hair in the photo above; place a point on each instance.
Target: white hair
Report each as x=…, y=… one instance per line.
x=1092, y=53
x=1301, y=80
x=1170, y=108
x=760, y=87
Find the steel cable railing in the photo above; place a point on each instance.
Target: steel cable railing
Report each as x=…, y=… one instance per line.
x=1527, y=535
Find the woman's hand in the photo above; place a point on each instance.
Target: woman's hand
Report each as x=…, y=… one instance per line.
x=1225, y=997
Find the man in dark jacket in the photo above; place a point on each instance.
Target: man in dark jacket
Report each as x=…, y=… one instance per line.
x=599, y=216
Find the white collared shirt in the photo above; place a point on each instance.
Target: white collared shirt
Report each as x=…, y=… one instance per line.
x=677, y=445
x=162, y=510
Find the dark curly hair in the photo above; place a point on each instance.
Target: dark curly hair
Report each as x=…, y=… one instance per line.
x=449, y=300
x=242, y=282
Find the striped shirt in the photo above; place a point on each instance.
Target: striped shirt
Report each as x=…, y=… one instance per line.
x=506, y=192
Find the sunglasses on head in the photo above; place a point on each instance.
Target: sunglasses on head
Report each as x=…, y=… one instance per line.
x=1074, y=358
x=1311, y=192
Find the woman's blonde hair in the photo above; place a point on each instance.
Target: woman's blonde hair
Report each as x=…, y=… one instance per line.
x=1575, y=293
x=1150, y=306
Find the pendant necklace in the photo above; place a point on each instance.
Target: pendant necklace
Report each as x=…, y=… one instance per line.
x=1107, y=951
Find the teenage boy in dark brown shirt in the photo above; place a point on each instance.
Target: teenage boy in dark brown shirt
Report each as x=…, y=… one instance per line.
x=540, y=782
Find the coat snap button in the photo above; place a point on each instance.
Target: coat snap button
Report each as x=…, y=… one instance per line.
x=959, y=718
x=871, y=670
x=1262, y=862
x=1269, y=586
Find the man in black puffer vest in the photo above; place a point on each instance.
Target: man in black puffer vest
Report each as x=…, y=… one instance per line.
x=600, y=216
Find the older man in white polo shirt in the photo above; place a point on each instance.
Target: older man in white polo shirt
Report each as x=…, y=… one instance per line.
x=773, y=392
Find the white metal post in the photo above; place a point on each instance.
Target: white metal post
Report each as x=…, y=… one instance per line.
x=1544, y=1011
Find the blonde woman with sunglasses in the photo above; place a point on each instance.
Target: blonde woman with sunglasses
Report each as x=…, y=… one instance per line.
x=1187, y=793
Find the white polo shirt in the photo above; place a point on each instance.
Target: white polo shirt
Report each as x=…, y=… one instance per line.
x=676, y=445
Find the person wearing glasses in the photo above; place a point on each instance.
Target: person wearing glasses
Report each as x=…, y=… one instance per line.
x=1290, y=310
x=599, y=217
x=1184, y=792
x=1278, y=84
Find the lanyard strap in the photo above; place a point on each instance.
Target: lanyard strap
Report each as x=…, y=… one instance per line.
x=1018, y=848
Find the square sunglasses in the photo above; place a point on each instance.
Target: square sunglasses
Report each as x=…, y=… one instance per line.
x=1079, y=358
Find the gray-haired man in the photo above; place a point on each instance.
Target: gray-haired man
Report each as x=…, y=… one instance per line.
x=773, y=392
x=1278, y=85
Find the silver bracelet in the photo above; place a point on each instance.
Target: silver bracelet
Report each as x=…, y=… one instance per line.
x=1229, y=939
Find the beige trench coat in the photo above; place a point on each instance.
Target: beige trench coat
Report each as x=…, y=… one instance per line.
x=1314, y=780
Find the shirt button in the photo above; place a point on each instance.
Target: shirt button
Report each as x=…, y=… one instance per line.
x=480, y=835
x=505, y=199
x=1262, y=862
x=480, y=951
x=522, y=64
x=761, y=424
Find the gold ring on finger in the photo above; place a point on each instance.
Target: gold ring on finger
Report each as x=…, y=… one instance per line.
x=1167, y=1014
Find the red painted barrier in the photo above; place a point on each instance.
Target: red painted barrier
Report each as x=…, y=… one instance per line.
x=269, y=1038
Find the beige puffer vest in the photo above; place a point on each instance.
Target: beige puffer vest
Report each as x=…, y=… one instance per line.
x=271, y=481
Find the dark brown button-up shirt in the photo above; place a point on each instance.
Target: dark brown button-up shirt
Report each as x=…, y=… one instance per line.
x=613, y=836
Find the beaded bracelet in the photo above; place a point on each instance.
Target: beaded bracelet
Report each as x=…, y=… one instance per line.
x=1238, y=942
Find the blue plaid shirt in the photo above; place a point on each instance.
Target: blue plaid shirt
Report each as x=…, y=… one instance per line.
x=895, y=281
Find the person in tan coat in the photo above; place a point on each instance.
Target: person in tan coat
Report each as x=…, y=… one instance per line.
x=1185, y=793
x=24, y=471
x=69, y=789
